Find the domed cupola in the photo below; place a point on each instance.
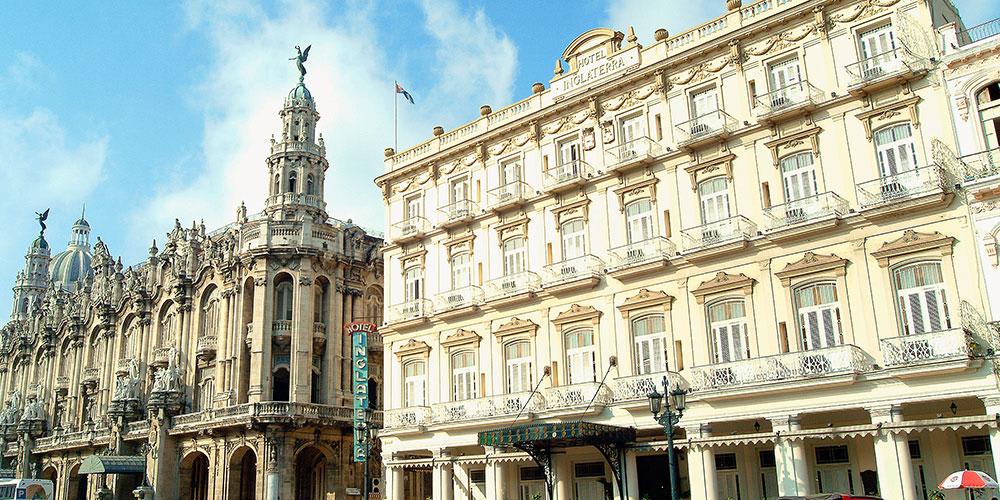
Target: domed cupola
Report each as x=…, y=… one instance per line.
x=73, y=264
x=300, y=97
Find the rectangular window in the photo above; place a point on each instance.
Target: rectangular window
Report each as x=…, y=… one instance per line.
x=976, y=445
x=413, y=207
x=514, y=256
x=510, y=172
x=463, y=376
x=704, y=102
x=921, y=297
x=826, y=455
x=786, y=79
x=569, y=153
x=459, y=189
x=632, y=128
x=819, y=316
x=581, y=356
x=725, y=461
x=414, y=384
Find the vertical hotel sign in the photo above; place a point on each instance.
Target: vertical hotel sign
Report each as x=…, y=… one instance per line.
x=359, y=332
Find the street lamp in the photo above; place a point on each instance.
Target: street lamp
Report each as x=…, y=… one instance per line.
x=371, y=431
x=668, y=417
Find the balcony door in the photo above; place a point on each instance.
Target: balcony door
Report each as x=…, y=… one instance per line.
x=459, y=189
x=574, y=239
x=819, y=316
x=581, y=356
x=714, y=195
x=877, y=46
x=460, y=271
x=414, y=384
x=518, y=361
x=632, y=128
x=920, y=294
x=463, y=376
x=730, y=341
x=798, y=174
x=413, y=284
x=639, y=221
x=650, y=344
x=785, y=78
x=514, y=256
x=510, y=172
x=896, y=150
x=569, y=153
x=413, y=208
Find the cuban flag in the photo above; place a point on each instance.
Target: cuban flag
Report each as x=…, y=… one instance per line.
x=406, y=95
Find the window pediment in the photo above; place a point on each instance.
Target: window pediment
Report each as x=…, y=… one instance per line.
x=413, y=257
x=513, y=226
x=516, y=326
x=572, y=210
x=723, y=282
x=460, y=243
x=577, y=313
x=794, y=143
x=913, y=242
x=628, y=193
x=708, y=169
x=413, y=347
x=645, y=299
x=461, y=338
x=889, y=114
x=811, y=263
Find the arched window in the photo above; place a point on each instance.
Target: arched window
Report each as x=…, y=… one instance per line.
x=818, y=309
x=896, y=150
x=309, y=184
x=292, y=178
x=413, y=283
x=798, y=174
x=210, y=313
x=461, y=271
x=414, y=384
x=574, y=239
x=728, y=328
x=514, y=256
x=463, y=375
x=714, y=194
x=320, y=303
x=167, y=326
x=581, y=356
x=650, y=338
x=639, y=221
x=283, y=300
x=517, y=358
x=277, y=184
x=920, y=297
x=988, y=100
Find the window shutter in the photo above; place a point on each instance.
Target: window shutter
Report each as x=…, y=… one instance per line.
x=723, y=336
x=916, y=313
x=933, y=313
x=815, y=342
x=829, y=327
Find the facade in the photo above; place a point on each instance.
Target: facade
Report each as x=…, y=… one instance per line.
x=216, y=368
x=768, y=210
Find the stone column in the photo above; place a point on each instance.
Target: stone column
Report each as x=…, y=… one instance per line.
x=993, y=409
x=260, y=352
x=162, y=462
x=790, y=459
x=892, y=456
x=272, y=475
x=496, y=483
x=334, y=332
x=443, y=481
x=562, y=471
x=631, y=476
x=394, y=483
x=701, y=466
x=300, y=369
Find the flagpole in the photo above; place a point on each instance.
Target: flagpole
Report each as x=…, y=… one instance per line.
x=395, y=117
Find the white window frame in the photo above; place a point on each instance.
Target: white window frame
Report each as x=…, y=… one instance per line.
x=458, y=189
x=413, y=207
x=799, y=178
x=461, y=270
x=568, y=151
x=704, y=101
x=581, y=361
x=898, y=153
x=573, y=236
x=640, y=218
x=515, y=258
x=632, y=127
x=650, y=348
x=415, y=384
x=731, y=332
x=464, y=380
x=518, y=371
x=821, y=324
x=930, y=298
x=413, y=284
x=510, y=171
x=715, y=203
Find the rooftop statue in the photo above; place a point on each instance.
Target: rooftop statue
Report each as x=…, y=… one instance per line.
x=300, y=59
x=42, y=217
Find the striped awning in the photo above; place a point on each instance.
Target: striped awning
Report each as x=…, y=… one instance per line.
x=558, y=434
x=113, y=464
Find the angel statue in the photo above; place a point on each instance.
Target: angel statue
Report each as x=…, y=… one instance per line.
x=299, y=59
x=42, y=217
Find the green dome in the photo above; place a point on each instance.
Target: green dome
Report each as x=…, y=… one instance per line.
x=300, y=96
x=40, y=243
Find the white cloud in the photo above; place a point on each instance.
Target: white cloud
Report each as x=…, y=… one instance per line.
x=350, y=78
x=646, y=16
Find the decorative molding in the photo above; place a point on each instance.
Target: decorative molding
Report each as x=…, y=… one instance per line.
x=723, y=282
x=515, y=226
x=709, y=167
x=635, y=191
x=576, y=314
x=785, y=145
x=646, y=299
x=461, y=338
x=413, y=347
x=460, y=243
x=913, y=242
x=416, y=254
x=889, y=113
x=568, y=211
x=811, y=264
x=516, y=326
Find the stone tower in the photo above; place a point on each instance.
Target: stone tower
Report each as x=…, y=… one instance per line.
x=33, y=279
x=297, y=164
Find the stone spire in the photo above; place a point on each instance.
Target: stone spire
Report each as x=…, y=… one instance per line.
x=33, y=279
x=297, y=164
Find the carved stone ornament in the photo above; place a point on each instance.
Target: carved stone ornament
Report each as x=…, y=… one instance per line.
x=628, y=193
x=589, y=142
x=889, y=114
x=513, y=226
x=573, y=210
x=577, y=313
x=723, y=282
x=516, y=326
x=812, y=264
x=913, y=242
x=783, y=146
x=646, y=299
x=413, y=347
x=704, y=170
x=461, y=338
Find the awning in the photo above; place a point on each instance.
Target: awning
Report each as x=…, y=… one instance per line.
x=113, y=464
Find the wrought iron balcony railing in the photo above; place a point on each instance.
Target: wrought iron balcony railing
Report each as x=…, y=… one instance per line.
x=641, y=253
x=718, y=233
x=981, y=165
x=458, y=298
x=794, y=96
x=642, y=149
x=501, y=405
x=411, y=228
x=512, y=193
x=705, y=126
x=401, y=418
x=902, y=186
x=513, y=284
x=894, y=62
x=583, y=267
x=638, y=387
x=414, y=309
x=573, y=172
x=459, y=211
x=805, y=210
x=578, y=396
x=911, y=350
x=789, y=367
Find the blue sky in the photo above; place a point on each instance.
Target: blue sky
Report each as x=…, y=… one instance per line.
x=147, y=111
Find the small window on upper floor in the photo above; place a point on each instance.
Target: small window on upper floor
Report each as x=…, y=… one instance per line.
x=515, y=256
x=714, y=194
x=798, y=174
x=568, y=156
x=413, y=284
x=574, y=239
x=292, y=182
x=639, y=221
x=413, y=207
x=459, y=189
x=632, y=128
x=310, y=184
x=704, y=102
x=510, y=171
x=988, y=100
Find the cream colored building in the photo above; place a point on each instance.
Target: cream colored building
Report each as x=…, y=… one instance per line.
x=768, y=209
x=218, y=364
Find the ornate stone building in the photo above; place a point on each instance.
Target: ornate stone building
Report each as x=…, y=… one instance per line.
x=218, y=364
x=767, y=210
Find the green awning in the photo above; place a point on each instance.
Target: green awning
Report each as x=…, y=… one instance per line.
x=100, y=464
x=557, y=434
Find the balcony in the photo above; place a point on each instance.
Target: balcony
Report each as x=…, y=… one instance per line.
x=979, y=32
x=409, y=313
x=207, y=346
x=904, y=192
x=575, y=398
x=91, y=375
x=718, y=237
x=569, y=175
x=804, y=370
x=921, y=354
x=161, y=356
x=582, y=272
x=886, y=69
x=981, y=165
x=458, y=213
x=512, y=289
x=633, y=391
x=641, y=151
x=711, y=127
x=513, y=194
x=62, y=384
x=411, y=229
x=319, y=335
x=797, y=98
x=497, y=409
x=804, y=216
x=414, y=418
x=281, y=331
x=123, y=365
x=640, y=258
x=459, y=301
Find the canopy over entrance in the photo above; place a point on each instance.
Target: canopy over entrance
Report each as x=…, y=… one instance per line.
x=537, y=440
x=113, y=464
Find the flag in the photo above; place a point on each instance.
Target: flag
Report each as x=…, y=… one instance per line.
x=406, y=95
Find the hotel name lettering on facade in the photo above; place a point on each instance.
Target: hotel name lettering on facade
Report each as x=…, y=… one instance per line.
x=594, y=68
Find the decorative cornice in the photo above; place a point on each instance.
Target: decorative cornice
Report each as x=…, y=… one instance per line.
x=581, y=204
x=889, y=111
x=723, y=282
x=913, y=242
x=461, y=338
x=636, y=188
x=413, y=347
x=645, y=299
x=726, y=162
x=516, y=326
x=811, y=263
x=794, y=140
x=577, y=313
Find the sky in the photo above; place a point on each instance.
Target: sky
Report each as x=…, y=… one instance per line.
x=150, y=111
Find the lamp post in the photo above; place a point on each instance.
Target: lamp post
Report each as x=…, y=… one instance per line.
x=371, y=432
x=668, y=417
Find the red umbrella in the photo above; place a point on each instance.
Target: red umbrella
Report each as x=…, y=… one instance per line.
x=968, y=480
